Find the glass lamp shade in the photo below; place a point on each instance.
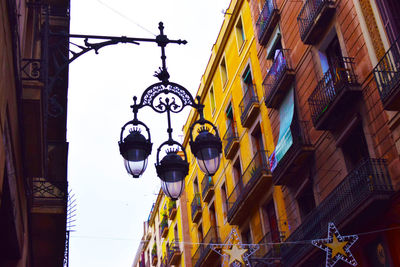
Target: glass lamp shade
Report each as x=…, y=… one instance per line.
x=135, y=150
x=172, y=171
x=208, y=159
x=207, y=149
x=135, y=168
x=173, y=190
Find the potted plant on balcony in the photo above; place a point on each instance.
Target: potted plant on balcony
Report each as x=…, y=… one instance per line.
x=154, y=258
x=172, y=209
x=164, y=225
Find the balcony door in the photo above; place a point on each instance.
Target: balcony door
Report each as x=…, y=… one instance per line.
x=270, y=221
x=390, y=15
x=257, y=143
x=355, y=147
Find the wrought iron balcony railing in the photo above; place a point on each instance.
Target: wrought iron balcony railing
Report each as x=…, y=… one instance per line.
x=196, y=207
x=294, y=158
x=174, y=253
x=207, y=188
x=387, y=77
x=267, y=21
x=164, y=262
x=359, y=193
x=336, y=89
x=249, y=106
x=313, y=18
x=278, y=79
x=203, y=253
x=243, y=194
x=268, y=253
x=154, y=259
x=230, y=141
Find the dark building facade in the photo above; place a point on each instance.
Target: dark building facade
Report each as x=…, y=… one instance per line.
x=33, y=147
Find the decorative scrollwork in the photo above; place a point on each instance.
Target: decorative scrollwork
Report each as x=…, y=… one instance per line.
x=163, y=103
x=30, y=69
x=43, y=189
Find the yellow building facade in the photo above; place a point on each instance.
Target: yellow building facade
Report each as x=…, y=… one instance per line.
x=164, y=241
x=240, y=195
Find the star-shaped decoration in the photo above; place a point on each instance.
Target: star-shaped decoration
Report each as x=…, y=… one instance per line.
x=337, y=247
x=233, y=252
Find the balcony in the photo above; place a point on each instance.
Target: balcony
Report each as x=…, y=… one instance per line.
x=314, y=18
x=164, y=262
x=334, y=94
x=171, y=209
x=174, y=253
x=387, y=77
x=297, y=155
x=204, y=255
x=196, y=208
x=154, y=259
x=268, y=254
x=164, y=227
x=278, y=79
x=359, y=197
x=230, y=141
x=249, y=106
x=254, y=182
x=207, y=188
x=267, y=21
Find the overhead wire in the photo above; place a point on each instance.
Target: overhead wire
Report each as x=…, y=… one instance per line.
x=125, y=17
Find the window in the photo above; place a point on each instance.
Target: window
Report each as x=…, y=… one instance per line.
x=240, y=34
x=246, y=236
x=237, y=174
x=355, y=148
x=224, y=199
x=306, y=201
x=176, y=235
x=270, y=221
x=331, y=55
x=247, y=80
x=224, y=73
x=195, y=186
x=390, y=15
x=212, y=100
x=229, y=118
x=200, y=233
x=256, y=139
x=274, y=44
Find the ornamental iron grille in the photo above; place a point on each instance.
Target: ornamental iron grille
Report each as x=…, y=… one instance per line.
x=301, y=144
x=266, y=21
x=207, y=187
x=340, y=77
x=249, y=99
x=276, y=83
x=387, y=74
x=257, y=167
x=269, y=254
x=312, y=15
x=230, y=136
x=196, y=206
x=204, y=249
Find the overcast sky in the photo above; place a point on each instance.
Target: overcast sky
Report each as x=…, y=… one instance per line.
x=111, y=206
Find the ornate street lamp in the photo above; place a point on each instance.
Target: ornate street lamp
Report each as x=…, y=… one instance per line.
x=173, y=167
